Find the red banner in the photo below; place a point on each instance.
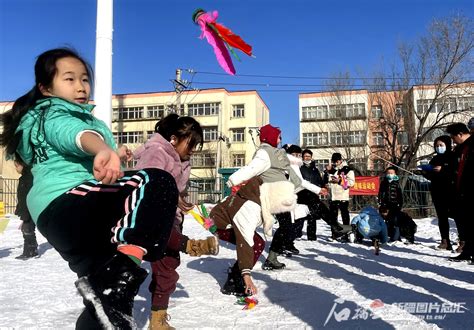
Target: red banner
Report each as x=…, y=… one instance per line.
x=365, y=185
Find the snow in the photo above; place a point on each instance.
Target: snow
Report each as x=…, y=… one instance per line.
x=328, y=285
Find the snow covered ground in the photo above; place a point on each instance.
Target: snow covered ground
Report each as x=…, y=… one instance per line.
x=329, y=285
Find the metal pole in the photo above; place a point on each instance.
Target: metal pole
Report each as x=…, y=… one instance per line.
x=103, y=61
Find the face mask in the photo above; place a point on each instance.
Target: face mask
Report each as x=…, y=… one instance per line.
x=440, y=149
x=392, y=177
x=306, y=162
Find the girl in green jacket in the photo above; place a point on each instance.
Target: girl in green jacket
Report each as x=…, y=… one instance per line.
x=102, y=221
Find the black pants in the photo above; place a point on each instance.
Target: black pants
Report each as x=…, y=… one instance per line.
x=442, y=206
x=285, y=234
x=317, y=210
x=335, y=206
x=85, y=224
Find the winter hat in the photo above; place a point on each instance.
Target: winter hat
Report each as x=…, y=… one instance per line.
x=470, y=124
x=269, y=134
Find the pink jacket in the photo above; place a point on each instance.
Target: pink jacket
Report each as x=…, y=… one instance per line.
x=159, y=153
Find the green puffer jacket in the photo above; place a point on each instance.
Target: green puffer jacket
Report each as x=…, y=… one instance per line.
x=48, y=135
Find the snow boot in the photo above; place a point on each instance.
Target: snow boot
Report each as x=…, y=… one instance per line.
x=159, y=320
x=291, y=248
x=235, y=283
x=445, y=245
x=30, y=247
x=272, y=262
x=198, y=247
x=460, y=246
x=111, y=289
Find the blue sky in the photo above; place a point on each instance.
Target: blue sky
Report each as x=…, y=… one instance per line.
x=297, y=38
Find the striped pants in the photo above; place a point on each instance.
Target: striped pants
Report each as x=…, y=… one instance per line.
x=85, y=224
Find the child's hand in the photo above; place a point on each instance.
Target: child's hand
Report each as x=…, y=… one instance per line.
x=107, y=166
x=250, y=288
x=125, y=154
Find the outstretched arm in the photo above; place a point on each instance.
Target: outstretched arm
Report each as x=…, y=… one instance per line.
x=106, y=161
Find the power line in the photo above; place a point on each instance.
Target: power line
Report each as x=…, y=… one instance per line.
x=286, y=85
x=313, y=77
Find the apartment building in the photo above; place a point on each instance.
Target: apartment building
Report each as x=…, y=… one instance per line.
x=368, y=128
x=229, y=120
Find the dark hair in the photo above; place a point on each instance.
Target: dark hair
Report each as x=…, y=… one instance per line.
x=457, y=128
x=446, y=140
x=335, y=157
x=45, y=71
x=181, y=127
x=392, y=168
x=26, y=168
x=293, y=149
x=307, y=151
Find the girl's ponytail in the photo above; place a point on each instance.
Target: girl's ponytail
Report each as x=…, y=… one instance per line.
x=11, y=119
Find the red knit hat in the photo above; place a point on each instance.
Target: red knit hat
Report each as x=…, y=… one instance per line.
x=269, y=134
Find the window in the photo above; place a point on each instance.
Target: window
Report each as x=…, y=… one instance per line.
x=315, y=139
x=155, y=111
x=321, y=164
x=204, y=185
x=399, y=110
x=238, y=110
x=203, y=109
x=203, y=159
x=377, y=139
x=128, y=137
x=339, y=111
x=238, y=160
x=402, y=138
x=210, y=133
x=127, y=113
x=336, y=138
x=315, y=112
x=238, y=135
x=376, y=111
x=351, y=138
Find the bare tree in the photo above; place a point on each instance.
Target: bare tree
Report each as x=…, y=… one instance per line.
x=435, y=71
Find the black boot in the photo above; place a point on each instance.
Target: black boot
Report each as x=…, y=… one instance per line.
x=30, y=247
x=272, y=262
x=291, y=249
x=111, y=289
x=235, y=283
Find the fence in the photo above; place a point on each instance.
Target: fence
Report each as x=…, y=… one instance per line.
x=416, y=195
x=8, y=193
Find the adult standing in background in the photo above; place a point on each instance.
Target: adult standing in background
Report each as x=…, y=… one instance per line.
x=317, y=208
x=441, y=174
x=340, y=178
x=25, y=182
x=464, y=195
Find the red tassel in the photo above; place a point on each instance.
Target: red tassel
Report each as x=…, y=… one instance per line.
x=232, y=39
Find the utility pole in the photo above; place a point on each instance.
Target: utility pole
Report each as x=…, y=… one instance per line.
x=103, y=61
x=179, y=87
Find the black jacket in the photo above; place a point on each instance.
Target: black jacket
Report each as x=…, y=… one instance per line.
x=311, y=173
x=464, y=170
x=390, y=194
x=442, y=182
